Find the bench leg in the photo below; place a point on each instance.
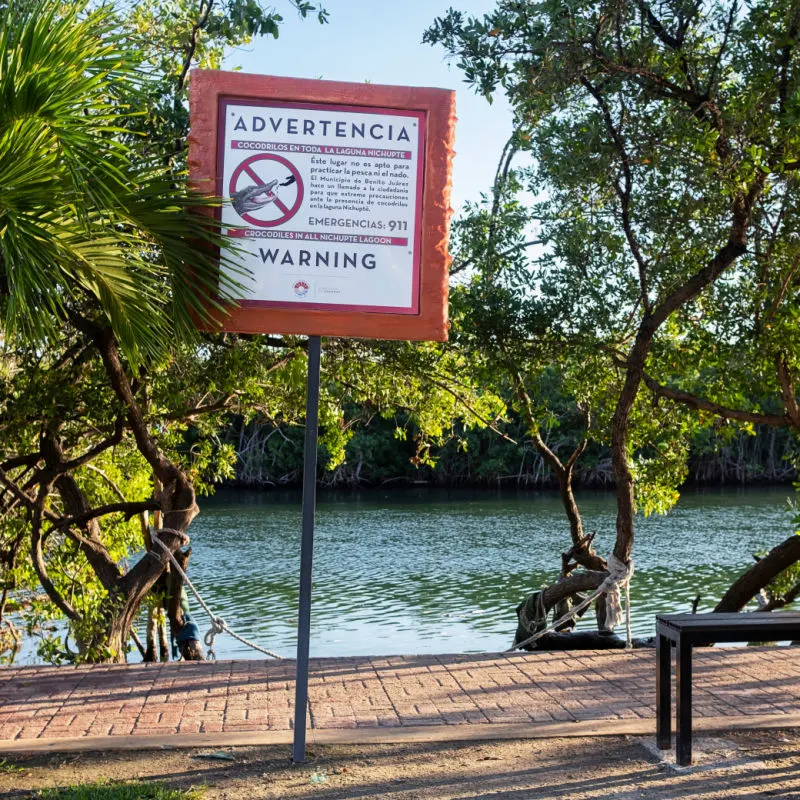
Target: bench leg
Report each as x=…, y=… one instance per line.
x=663, y=693
x=683, y=691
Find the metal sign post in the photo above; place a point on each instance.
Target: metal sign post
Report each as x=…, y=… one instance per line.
x=306, y=550
x=285, y=152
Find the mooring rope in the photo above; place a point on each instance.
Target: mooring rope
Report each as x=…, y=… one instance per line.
x=218, y=624
x=618, y=574
x=628, y=638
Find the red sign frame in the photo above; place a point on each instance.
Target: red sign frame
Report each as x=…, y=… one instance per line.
x=427, y=319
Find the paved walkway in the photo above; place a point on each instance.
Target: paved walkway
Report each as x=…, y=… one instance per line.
x=487, y=691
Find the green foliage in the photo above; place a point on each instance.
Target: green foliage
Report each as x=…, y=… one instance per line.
x=383, y=451
x=626, y=194
x=97, y=233
x=785, y=581
x=84, y=218
x=176, y=35
x=645, y=130
x=187, y=400
x=417, y=396
x=120, y=791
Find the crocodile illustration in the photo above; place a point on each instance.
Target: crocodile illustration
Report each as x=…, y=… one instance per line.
x=251, y=198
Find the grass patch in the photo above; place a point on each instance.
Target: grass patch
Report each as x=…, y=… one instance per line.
x=119, y=791
x=7, y=768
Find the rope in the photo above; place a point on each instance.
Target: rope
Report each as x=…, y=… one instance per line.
x=218, y=624
x=618, y=574
x=539, y=619
x=628, y=638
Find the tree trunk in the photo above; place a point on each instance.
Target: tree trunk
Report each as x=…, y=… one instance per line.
x=127, y=595
x=163, y=644
x=183, y=629
x=150, y=651
x=581, y=581
x=760, y=574
x=620, y=425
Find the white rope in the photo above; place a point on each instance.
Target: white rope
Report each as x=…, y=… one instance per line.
x=218, y=624
x=618, y=574
x=628, y=638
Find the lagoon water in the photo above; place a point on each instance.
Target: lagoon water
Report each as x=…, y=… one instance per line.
x=430, y=571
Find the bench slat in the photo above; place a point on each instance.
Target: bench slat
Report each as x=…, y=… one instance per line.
x=722, y=623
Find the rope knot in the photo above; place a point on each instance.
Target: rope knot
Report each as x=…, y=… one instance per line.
x=619, y=574
x=218, y=625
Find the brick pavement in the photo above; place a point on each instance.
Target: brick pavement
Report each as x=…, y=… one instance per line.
x=49, y=703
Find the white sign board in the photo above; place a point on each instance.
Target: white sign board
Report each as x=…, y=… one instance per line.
x=325, y=203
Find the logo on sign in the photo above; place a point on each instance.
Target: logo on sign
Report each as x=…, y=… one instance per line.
x=301, y=288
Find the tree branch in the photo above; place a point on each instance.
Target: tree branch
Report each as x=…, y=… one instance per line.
x=623, y=192
x=583, y=581
x=129, y=509
x=488, y=423
x=747, y=586
x=788, y=390
x=735, y=246
x=197, y=411
x=584, y=555
x=148, y=569
x=164, y=469
x=29, y=460
x=699, y=404
x=193, y=38
x=659, y=85
x=783, y=288
x=786, y=59
x=462, y=265
x=21, y=495
x=106, y=569
x=37, y=557
x=701, y=106
x=111, y=441
x=718, y=60
x=658, y=28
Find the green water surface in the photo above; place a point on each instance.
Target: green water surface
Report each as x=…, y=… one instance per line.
x=433, y=571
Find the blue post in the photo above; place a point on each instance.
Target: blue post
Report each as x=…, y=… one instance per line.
x=306, y=550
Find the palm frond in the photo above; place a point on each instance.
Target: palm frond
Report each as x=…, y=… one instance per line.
x=83, y=214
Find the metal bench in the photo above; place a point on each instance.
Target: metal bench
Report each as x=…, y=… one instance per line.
x=686, y=631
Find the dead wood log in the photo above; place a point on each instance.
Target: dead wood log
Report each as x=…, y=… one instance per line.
x=586, y=640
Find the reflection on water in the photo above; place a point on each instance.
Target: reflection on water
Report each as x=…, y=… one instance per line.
x=437, y=571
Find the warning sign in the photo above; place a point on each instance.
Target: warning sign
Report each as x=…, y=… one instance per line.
x=335, y=203
x=325, y=203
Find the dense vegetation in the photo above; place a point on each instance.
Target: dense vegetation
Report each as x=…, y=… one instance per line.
x=111, y=402
x=625, y=300
x=271, y=457
x=660, y=192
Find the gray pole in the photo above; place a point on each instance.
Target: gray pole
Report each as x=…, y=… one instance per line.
x=306, y=550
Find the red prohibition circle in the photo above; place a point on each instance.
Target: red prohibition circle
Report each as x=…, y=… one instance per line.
x=288, y=212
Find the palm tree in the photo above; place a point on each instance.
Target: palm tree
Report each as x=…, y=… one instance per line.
x=87, y=222
x=99, y=246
